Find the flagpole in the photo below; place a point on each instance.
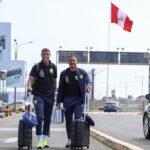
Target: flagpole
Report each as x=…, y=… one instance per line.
x=108, y=48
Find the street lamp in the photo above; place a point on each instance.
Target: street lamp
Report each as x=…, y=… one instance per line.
x=126, y=87
x=60, y=48
x=87, y=48
x=148, y=69
x=142, y=82
x=16, y=47
x=119, y=50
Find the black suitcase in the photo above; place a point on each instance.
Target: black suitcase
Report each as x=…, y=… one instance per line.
x=24, y=136
x=80, y=134
x=25, y=128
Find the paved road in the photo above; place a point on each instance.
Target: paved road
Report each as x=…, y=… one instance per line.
x=123, y=126
x=57, y=141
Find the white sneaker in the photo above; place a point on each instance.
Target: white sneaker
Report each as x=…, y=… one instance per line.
x=68, y=143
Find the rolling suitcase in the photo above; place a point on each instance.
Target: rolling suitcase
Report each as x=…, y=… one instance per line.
x=80, y=131
x=25, y=129
x=24, y=136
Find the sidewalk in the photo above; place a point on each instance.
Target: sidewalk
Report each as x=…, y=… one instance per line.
x=58, y=139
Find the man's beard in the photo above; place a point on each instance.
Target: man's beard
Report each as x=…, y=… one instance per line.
x=73, y=67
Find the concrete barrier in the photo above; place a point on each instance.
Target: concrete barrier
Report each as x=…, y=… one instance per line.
x=112, y=142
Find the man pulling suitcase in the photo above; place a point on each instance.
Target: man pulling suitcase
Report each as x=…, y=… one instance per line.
x=73, y=84
x=25, y=129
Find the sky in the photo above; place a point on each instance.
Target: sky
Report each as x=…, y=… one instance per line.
x=76, y=24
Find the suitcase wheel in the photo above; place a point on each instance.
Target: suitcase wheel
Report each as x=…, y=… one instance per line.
x=76, y=148
x=20, y=148
x=87, y=147
x=29, y=148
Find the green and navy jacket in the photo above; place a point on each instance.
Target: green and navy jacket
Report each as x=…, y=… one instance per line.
x=83, y=80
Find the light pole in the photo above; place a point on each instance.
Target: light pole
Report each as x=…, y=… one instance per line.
x=87, y=49
x=148, y=70
x=119, y=56
x=60, y=48
x=126, y=87
x=96, y=72
x=142, y=82
x=16, y=47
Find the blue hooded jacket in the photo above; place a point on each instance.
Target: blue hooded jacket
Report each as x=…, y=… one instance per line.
x=84, y=80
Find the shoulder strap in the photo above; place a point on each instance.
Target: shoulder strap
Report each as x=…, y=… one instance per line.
x=53, y=65
x=37, y=68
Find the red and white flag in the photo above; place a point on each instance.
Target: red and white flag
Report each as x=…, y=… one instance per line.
x=120, y=18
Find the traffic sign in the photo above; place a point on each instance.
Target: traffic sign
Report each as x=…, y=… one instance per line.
x=132, y=58
x=103, y=57
x=63, y=56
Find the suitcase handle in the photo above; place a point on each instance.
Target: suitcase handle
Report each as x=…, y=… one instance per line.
x=86, y=105
x=29, y=97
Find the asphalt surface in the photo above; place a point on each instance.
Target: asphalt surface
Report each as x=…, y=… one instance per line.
x=57, y=140
x=123, y=126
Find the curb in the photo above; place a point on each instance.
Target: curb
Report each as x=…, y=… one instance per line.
x=112, y=142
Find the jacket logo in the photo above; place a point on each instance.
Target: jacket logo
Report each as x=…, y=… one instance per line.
x=34, y=102
x=81, y=76
x=51, y=70
x=76, y=77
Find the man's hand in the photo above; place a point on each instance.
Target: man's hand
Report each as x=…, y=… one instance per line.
x=58, y=105
x=87, y=89
x=29, y=89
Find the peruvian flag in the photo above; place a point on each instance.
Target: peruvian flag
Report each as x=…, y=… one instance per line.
x=120, y=18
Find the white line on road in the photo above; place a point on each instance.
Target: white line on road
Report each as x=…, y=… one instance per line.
x=11, y=140
x=16, y=129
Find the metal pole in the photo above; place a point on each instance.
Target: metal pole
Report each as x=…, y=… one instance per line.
x=15, y=88
x=108, y=48
x=107, y=87
x=148, y=70
x=126, y=89
x=16, y=46
x=93, y=74
x=142, y=86
x=149, y=76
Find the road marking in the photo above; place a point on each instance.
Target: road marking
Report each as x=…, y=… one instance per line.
x=2, y=139
x=16, y=129
x=115, y=113
x=11, y=140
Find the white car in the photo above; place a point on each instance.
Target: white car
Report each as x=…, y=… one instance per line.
x=20, y=104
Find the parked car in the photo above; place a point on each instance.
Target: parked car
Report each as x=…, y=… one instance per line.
x=146, y=119
x=112, y=106
x=101, y=108
x=20, y=104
